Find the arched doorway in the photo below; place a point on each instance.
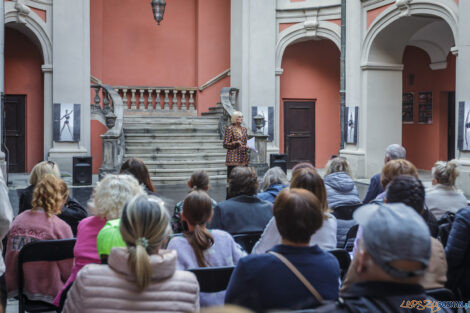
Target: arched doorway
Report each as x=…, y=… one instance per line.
x=24, y=100
x=428, y=31
x=309, y=108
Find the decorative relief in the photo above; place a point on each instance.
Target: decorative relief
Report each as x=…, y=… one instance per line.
x=404, y=6
x=21, y=11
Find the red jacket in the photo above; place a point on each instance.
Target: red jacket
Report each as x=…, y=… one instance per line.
x=43, y=280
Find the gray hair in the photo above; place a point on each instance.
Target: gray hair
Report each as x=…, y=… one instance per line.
x=445, y=173
x=338, y=164
x=274, y=176
x=395, y=152
x=236, y=115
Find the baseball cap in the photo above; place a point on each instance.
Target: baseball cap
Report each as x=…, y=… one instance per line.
x=394, y=231
x=109, y=237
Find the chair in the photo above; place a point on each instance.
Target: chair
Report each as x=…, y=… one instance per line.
x=350, y=238
x=442, y=294
x=345, y=212
x=247, y=240
x=213, y=279
x=343, y=258
x=44, y=250
x=343, y=227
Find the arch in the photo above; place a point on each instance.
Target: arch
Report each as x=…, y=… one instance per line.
x=444, y=9
x=324, y=29
x=35, y=25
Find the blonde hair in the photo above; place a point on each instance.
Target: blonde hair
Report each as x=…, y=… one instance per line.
x=445, y=173
x=41, y=169
x=144, y=226
x=50, y=194
x=236, y=115
x=112, y=193
x=338, y=164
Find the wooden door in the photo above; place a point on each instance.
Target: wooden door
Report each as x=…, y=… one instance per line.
x=299, y=132
x=15, y=132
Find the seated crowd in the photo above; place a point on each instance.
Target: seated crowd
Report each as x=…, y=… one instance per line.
x=134, y=254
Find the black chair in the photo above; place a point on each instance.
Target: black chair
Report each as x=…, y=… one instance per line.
x=343, y=258
x=44, y=250
x=350, y=238
x=345, y=212
x=343, y=227
x=213, y=279
x=247, y=240
x=442, y=294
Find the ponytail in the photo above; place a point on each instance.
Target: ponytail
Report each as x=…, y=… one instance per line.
x=445, y=173
x=197, y=210
x=200, y=240
x=139, y=263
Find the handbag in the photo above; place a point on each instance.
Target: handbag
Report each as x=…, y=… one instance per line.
x=299, y=275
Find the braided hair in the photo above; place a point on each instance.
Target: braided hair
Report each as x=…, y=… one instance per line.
x=408, y=190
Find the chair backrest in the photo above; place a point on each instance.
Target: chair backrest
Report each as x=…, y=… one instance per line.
x=350, y=238
x=213, y=279
x=345, y=212
x=343, y=258
x=343, y=227
x=441, y=294
x=247, y=240
x=44, y=250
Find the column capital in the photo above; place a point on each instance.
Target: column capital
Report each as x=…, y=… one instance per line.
x=279, y=71
x=46, y=68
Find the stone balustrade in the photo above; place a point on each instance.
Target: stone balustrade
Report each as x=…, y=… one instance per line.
x=154, y=99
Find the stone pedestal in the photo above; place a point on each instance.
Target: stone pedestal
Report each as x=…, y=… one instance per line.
x=258, y=159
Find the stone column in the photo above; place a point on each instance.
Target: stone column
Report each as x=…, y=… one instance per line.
x=47, y=78
x=71, y=79
x=462, y=92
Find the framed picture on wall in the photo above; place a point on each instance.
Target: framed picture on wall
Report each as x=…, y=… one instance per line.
x=463, y=140
x=425, y=107
x=66, y=124
x=268, y=113
x=408, y=108
x=351, y=115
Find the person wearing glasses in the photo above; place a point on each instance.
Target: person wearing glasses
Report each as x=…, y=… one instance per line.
x=72, y=213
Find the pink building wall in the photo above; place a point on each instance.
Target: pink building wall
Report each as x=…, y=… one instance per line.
x=426, y=144
x=23, y=76
x=311, y=71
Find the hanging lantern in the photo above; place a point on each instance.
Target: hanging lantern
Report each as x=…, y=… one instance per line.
x=158, y=8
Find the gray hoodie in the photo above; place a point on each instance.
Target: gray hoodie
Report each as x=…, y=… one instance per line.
x=341, y=190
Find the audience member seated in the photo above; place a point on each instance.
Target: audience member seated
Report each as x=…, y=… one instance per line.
x=392, y=257
x=267, y=281
x=109, y=237
x=443, y=196
x=300, y=166
x=137, y=168
x=340, y=188
x=273, y=182
x=325, y=237
x=199, y=181
x=393, y=169
x=458, y=254
x=410, y=191
x=42, y=279
x=6, y=216
x=141, y=277
x=72, y=212
x=111, y=194
x=393, y=152
x=201, y=248
x=244, y=211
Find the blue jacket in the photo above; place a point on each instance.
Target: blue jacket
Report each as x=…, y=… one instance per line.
x=341, y=190
x=458, y=253
x=271, y=193
x=375, y=188
x=262, y=281
x=242, y=214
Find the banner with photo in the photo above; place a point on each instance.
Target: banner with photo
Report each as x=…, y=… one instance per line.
x=66, y=122
x=351, y=118
x=407, y=113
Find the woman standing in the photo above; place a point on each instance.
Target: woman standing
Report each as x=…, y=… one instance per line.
x=235, y=142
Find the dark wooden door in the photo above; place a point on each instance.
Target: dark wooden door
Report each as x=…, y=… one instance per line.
x=299, y=132
x=15, y=132
x=451, y=125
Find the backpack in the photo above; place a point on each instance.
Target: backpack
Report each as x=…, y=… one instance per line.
x=445, y=225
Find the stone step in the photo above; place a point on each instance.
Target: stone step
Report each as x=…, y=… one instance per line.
x=170, y=142
x=184, y=164
x=182, y=180
x=169, y=129
x=153, y=122
x=187, y=136
x=157, y=173
x=146, y=149
x=176, y=156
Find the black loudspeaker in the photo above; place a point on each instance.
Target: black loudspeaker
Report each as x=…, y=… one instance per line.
x=82, y=170
x=278, y=159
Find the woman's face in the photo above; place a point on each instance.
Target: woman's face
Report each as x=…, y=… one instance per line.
x=239, y=120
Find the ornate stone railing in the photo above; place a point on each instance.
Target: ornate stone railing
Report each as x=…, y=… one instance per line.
x=148, y=98
x=108, y=106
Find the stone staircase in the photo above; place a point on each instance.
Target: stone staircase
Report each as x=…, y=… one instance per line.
x=173, y=147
